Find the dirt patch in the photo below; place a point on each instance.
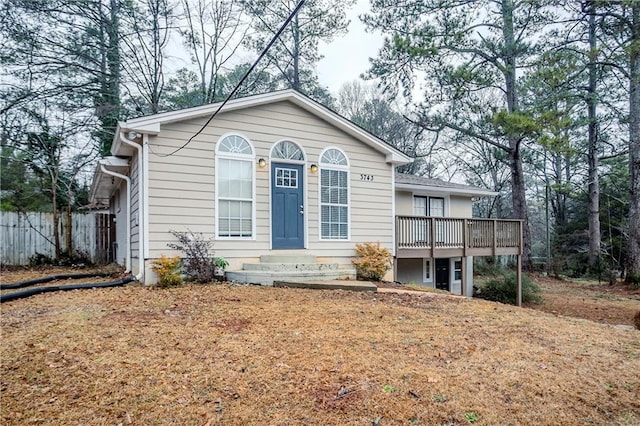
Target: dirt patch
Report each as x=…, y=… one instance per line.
x=253, y=355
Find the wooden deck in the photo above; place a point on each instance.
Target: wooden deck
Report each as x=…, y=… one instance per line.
x=433, y=237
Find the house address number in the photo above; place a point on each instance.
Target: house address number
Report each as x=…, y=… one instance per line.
x=367, y=178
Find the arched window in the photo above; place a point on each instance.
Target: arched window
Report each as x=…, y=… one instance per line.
x=235, y=187
x=287, y=150
x=334, y=195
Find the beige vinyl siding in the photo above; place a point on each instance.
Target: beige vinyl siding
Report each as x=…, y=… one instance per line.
x=411, y=271
x=404, y=203
x=135, y=205
x=119, y=209
x=182, y=186
x=461, y=206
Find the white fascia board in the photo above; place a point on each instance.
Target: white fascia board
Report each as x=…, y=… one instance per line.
x=444, y=190
x=117, y=147
x=114, y=162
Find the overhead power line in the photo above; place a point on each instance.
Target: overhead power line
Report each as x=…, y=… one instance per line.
x=246, y=75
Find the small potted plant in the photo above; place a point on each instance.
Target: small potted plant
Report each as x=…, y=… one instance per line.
x=220, y=264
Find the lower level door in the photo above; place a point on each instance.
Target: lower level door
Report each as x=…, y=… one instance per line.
x=442, y=274
x=287, y=206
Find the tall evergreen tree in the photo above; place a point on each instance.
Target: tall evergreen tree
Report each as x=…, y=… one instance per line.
x=471, y=54
x=64, y=51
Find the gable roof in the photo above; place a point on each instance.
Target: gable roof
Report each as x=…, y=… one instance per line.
x=152, y=124
x=419, y=183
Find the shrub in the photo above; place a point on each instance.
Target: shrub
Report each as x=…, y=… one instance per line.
x=40, y=259
x=198, y=255
x=633, y=280
x=503, y=289
x=373, y=261
x=168, y=270
x=636, y=320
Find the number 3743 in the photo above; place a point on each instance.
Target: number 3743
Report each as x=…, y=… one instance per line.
x=366, y=178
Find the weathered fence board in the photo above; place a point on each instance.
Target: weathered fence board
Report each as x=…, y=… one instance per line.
x=22, y=235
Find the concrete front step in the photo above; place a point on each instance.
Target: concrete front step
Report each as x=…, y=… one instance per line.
x=290, y=266
x=268, y=277
x=287, y=258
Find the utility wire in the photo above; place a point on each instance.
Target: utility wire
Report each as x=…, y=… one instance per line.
x=237, y=87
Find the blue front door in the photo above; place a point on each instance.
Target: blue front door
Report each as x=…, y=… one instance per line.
x=287, y=206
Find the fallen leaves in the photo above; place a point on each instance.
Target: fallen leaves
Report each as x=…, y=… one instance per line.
x=253, y=355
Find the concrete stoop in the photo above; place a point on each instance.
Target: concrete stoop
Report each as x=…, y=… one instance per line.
x=297, y=268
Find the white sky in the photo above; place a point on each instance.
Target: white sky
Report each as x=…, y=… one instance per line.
x=348, y=56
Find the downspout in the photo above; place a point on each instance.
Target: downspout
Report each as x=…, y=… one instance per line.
x=141, y=195
x=128, y=181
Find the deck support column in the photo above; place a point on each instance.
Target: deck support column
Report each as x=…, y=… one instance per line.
x=463, y=278
x=395, y=269
x=519, y=281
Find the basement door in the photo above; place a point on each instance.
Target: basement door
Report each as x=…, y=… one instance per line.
x=287, y=206
x=442, y=274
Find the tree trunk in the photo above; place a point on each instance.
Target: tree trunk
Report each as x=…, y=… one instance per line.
x=69, y=234
x=518, y=189
x=593, y=179
x=634, y=146
x=56, y=217
x=520, y=205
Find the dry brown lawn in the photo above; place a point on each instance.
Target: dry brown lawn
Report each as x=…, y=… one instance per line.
x=600, y=302
x=236, y=355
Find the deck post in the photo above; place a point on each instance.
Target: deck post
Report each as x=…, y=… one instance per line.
x=432, y=226
x=519, y=280
x=463, y=277
x=464, y=237
x=395, y=268
x=495, y=236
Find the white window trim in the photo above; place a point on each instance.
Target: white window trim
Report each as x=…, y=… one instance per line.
x=446, y=198
x=427, y=266
x=452, y=269
x=284, y=160
x=243, y=157
x=346, y=168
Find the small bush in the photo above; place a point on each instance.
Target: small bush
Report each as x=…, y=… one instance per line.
x=503, y=289
x=198, y=264
x=636, y=320
x=40, y=259
x=373, y=261
x=168, y=270
x=633, y=280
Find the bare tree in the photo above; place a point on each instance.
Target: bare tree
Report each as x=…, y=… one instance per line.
x=144, y=50
x=213, y=34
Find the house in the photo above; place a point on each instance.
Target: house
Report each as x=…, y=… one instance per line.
x=283, y=185
x=432, y=207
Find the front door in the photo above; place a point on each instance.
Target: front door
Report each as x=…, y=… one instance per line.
x=442, y=274
x=287, y=206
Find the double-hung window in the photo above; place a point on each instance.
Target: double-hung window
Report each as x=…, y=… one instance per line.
x=334, y=195
x=235, y=188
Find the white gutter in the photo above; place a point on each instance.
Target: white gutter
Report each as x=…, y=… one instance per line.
x=128, y=181
x=141, y=242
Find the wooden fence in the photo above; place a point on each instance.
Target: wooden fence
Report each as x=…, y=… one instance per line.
x=23, y=235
